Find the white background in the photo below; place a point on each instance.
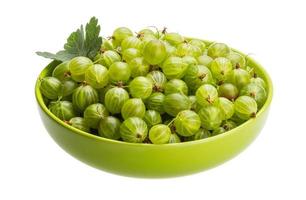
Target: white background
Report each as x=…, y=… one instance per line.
x=32, y=166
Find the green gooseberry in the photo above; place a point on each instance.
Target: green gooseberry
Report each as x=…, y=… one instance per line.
x=228, y=91
x=259, y=81
x=120, y=34
x=174, y=138
x=216, y=50
x=187, y=123
x=155, y=102
x=176, y=86
x=220, y=68
x=204, y=60
x=229, y=125
x=131, y=42
x=255, y=91
x=130, y=54
x=237, y=60
x=133, y=130
x=239, y=77
x=109, y=127
x=174, y=68
x=145, y=31
x=97, y=76
x=197, y=75
x=227, y=107
x=218, y=131
x=79, y=123
x=211, y=117
x=108, y=57
x=115, y=98
x=190, y=60
x=152, y=118
x=173, y=38
x=94, y=113
x=78, y=66
x=154, y=52
x=106, y=45
x=84, y=96
x=202, y=133
x=69, y=85
x=61, y=71
x=160, y=134
x=51, y=87
x=176, y=102
x=119, y=72
x=133, y=108
x=158, y=79
x=187, y=49
x=62, y=109
x=198, y=43
x=139, y=67
x=141, y=87
x=206, y=94
x=245, y=107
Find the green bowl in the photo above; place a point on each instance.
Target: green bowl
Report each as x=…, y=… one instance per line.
x=151, y=160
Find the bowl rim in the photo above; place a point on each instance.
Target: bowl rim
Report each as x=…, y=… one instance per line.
x=42, y=105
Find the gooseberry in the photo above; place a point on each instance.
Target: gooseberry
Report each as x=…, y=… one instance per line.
x=94, y=113
x=176, y=102
x=133, y=108
x=154, y=52
x=141, y=87
x=211, y=117
x=155, y=102
x=174, y=138
x=158, y=79
x=227, y=107
x=139, y=67
x=174, y=68
x=62, y=109
x=173, y=38
x=237, y=60
x=176, y=86
x=79, y=123
x=61, y=71
x=51, y=87
x=119, y=72
x=152, y=118
x=78, y=66
x=120, y=34
x=197, y=75
x=109, y=57
x=160, y=134
x=204, y=60
x=84, y=96
x=133, y=130
x=187, y=123
x=187, y=49
x=239, y=77
x=206, y=94
x=131, y=42
x=218, y=50
x=115, y=98
x=130, y=54
x=109, y=127
x=245, y=107
x=228, y=91
x=255, y=91
x=97, y=76
x=220, y=68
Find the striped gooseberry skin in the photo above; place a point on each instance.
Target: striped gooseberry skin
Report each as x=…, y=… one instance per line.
x=174, y=67
x=62, y=109
x=141, y=87
x=79, y=123
x=97, y=76
x=218, y=50
x=211, y=117
x=84, y=96
x=154, y=52
x=245, y=107
x=78, y=66
x=133, y=130
x=115, y=98
x=94, y=113
x=187, y=123
x=176, y=102
x=108, y=57
x=51, y=88
x=109, y=127
x=160, y=134
x=133, y=108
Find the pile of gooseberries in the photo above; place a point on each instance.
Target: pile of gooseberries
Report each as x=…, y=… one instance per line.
x=155, y=87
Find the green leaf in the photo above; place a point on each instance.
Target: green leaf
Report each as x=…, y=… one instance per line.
x=79, y=43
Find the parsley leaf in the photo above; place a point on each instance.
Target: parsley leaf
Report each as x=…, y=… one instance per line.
x=79, y=43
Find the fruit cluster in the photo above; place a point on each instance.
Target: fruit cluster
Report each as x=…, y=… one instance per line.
x=155, y=87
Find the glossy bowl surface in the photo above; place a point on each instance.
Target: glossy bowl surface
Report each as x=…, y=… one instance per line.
x=148, y=160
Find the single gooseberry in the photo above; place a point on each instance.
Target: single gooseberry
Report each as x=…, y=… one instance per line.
x=115, y=98
x=158, y=79
x=255, y=91
x=97, y=76
x=228, y=91
x=119, y=72
x=174, y=67
x=109, y=127
x=62, y=109
x=155, y=102
x=134, y=130
x=152, y=118
x=187, y=123
x=78, y=66
x=130, y=54
x=176, y=102
x=245, y=107
x=154, y=52
x=79, y=123
x=239, y=77
x=197, y=75
x=206, y=94
x=160, y=134
x=139, y=67
x=220, y=68
x=61, y=71
x=211, y=117
x=141, y=87
x=218, y=50
x=84, y=96
x=204, y=60
x=176, y=86
x=51, y=87
x=133, y=108
x=227, y=107
x=94, y=113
